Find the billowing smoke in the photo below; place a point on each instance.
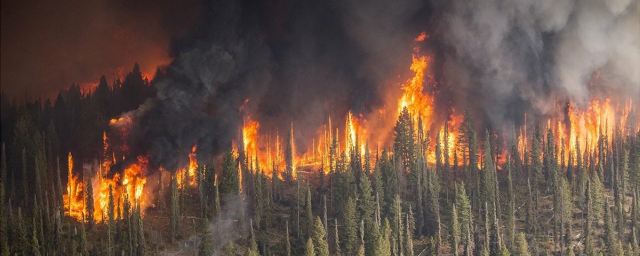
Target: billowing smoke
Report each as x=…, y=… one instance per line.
x=510, y=57
x=198, y=101
x=304, y=61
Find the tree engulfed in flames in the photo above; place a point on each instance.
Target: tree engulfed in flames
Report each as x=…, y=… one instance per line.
x=578, y=128
x=128, y=185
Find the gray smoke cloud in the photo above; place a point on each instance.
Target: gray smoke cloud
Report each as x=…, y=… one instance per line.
x=499, y=58
x=199, y=100
x=510, y=57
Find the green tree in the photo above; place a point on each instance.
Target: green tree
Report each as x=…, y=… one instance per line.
x=320, y=239
x=309, y=250
x=175, y=208
x=230, y=177
x=290, y=169
x=455, y=231
x=366, y=203
x=522, y=247
x=350, y=230
x=336, y=238
x=609, y=235
x=90, y=204
x=287, y=242
x=309, y=212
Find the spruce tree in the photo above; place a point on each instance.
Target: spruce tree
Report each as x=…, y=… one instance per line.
x=90, y=204
x=366, y=202
x=522, y=247
x=319, y=238
x=455, y=232
x=510, y=225
x=308, y=210
x=175, y=208
x=35, y=245
x=336, y=238
x=230, y=184
x=609, y=236
x=287, y=242
x=206, y=240
x=308, y=249
x=253, y=245
x=350, y=230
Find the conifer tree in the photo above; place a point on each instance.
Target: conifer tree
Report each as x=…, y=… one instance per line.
x=58, y=199
x=488, y=185
x=510, y=225
x=206, y=240
x=366, y=202
x=111, y=210
x=230, y=248
x=504, y=251
x=175, y=208
x=289, y=155
x=396, y=223
x=408, y=246
x=309, y=212
x=253, y=245
x=455, y=232
x=522, y=247
x=309, y=250
x=90, y=204
x=35, y=245
x=230, y=179
x=84, y=246
x=336, y=238
x=588, y=219
x=609, y=236
x=350, y=230
x=319, y=238
x=385, y=246
x=287, y=242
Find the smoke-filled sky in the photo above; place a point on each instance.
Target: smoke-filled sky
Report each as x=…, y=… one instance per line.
x=300, y=61
x=47, y=45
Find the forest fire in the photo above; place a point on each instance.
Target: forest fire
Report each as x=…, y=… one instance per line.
x=579, y=130
x=577, y=126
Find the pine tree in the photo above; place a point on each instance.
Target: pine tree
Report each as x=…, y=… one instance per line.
x=35, y=245
x=396, y=223
x=488, y=185
x=287, y=242
x=309, y=250
x=455, y=231
x=366, y=202
x=522, y=247
x=319, y=238
x=309, y=212
x=290, y=169
x=504, y=251
x=609, y=236
x=336, y=238
x=350, y=230
x=84, y=246
x=385, y=236
x=175, y=208
x=59, y=200
x=90, y=204
x=111, y=210
x=511, y=225
x=253, y=245
x=141, y=248
x=408, y=246
x=588, y=219
x=230, y=180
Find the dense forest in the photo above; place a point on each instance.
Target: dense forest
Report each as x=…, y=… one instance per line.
x=492, y=200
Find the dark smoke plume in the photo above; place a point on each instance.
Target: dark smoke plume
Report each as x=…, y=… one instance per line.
x=304, y=61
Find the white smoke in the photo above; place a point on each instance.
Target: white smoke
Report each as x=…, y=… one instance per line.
x=534, y=53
